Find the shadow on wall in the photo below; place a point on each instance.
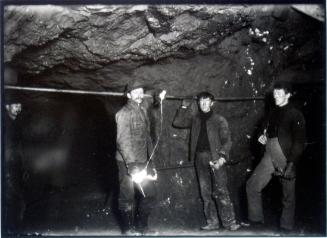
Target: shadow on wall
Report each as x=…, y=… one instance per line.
x=68, y=158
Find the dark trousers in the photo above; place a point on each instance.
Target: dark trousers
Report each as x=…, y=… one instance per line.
x=131, y=201
x=272, y=159
x=14, y=211
x=214, y=191
x=14, y=202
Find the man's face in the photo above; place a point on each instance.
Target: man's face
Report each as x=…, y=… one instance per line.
x=136, y=95
x=205, y=104
x=14, y=109
x=281, y=97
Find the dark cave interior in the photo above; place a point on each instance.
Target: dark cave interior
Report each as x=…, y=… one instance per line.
x=69, y=141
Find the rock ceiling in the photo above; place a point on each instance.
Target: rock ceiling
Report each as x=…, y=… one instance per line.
x=91, y=46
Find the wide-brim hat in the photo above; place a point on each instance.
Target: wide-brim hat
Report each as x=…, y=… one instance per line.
x=134, y=85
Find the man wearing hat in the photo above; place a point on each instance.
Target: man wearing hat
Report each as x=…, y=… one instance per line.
x=13, y=168
x=136, y=173
x=210, y=143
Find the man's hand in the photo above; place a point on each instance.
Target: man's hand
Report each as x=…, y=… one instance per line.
x=162, y=95
x=216, y=164
x=186, y=103
x=134, y=168
x=263, y=138
x=152, y=174
x=151, y=170
x=290, y=171
x=279, y=172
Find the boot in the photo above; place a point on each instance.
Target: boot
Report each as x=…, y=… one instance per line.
x=142, y=225
x=210, y=227
x=234, y=227
x=212, y=224
x=127, y=223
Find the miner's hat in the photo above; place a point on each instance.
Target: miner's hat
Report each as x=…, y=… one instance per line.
x=134, y=85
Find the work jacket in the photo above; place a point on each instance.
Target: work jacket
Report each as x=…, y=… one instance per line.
x=134, y=143
x=290, y=131
x=217, y=130
x=13, y=152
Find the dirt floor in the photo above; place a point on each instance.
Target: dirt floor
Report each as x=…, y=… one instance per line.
x=176, y=232
x=60, y=217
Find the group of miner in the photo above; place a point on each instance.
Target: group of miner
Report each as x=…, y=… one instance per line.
x=282, y=134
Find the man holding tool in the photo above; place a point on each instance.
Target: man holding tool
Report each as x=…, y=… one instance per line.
x=283, y=137
x=209, y=147
x=134, y=158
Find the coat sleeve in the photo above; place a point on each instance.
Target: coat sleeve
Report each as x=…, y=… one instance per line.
x=183, y=118
x=298, y=134
x=124, y=138
x=225, y=138
x=265, y=122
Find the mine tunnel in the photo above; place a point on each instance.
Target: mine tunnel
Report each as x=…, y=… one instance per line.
x=65, y=149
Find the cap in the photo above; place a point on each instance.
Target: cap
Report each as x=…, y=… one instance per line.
x=134, y=85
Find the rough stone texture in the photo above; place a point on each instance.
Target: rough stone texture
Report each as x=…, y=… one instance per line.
x=101, y=46
x=136, y=32
x=232, y=51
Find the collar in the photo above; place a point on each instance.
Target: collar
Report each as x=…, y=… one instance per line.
x=288, y=105
x=205, y=116
x=134, y=104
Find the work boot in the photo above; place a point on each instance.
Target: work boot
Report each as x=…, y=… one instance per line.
x=149, y=232
x=210, y=227
x=127, y=222
x=253, y=225
x=132, y=232
x=286, y=232
x=142, y=224
x=234, y=227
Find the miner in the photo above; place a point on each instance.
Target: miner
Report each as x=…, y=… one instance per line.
x=209, y=148
x=136, y=171
x=283, y=135
x=13, y=165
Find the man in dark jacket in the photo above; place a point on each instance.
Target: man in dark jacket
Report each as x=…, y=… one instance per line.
x=284, y=139
x=14, y=204
x=209, y=147
x=136, y=174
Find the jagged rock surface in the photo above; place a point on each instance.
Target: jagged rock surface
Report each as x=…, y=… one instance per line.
x=101, y=46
